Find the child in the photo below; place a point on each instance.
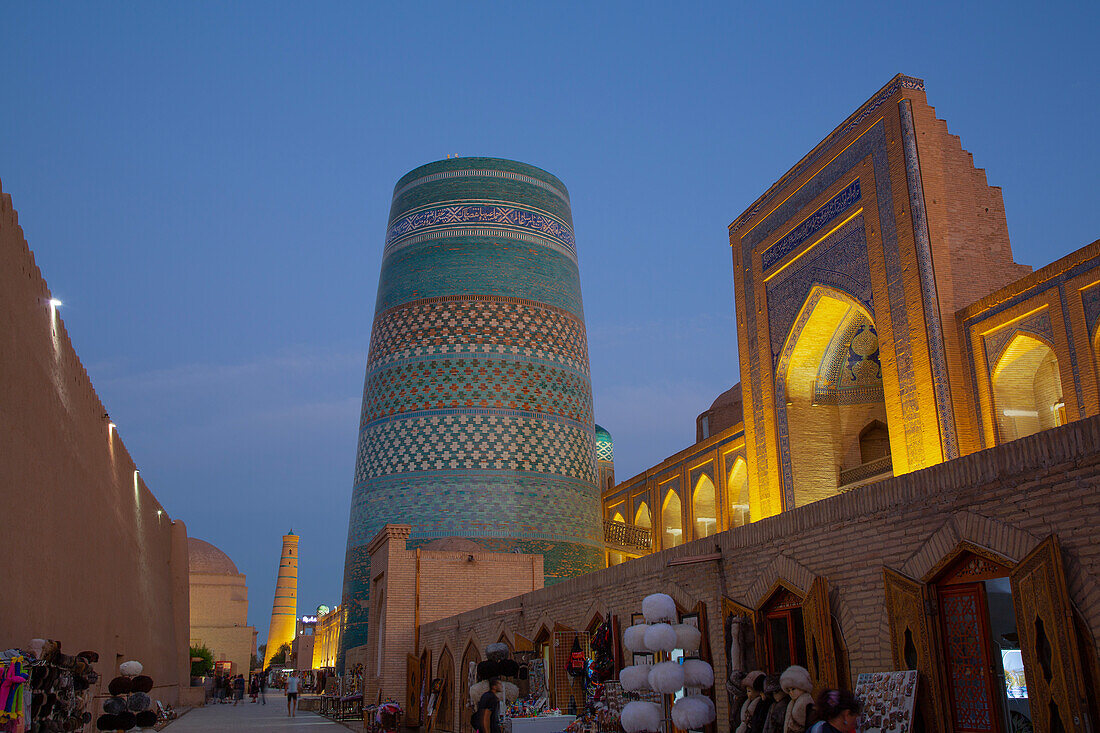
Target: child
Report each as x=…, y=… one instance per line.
x=837, y=712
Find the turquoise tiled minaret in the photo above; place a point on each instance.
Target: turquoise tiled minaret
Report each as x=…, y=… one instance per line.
x=477, y=407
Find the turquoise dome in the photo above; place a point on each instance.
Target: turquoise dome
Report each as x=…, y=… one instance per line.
x=605, y=447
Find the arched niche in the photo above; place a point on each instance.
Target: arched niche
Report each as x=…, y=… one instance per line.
x=1027, y=388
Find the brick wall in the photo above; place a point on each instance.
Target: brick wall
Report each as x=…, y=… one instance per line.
x=449, y=582
x=1006, y=499
x=104, y=567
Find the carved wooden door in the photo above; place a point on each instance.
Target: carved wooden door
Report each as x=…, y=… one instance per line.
x=913, y=642
x=820, y=650
x=412, y=690
x=1043, y=620
x=966, y=651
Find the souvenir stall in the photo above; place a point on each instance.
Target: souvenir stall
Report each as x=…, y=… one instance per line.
x=42, y=689
x=664, y=687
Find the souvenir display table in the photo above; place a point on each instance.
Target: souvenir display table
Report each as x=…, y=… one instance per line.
x=542, y=724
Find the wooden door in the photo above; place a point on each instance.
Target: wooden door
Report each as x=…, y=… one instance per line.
x=412, y=690
x=1044, y=622
x=913, y=642
x=966, y=649
x=817, y=619
x=748, y=641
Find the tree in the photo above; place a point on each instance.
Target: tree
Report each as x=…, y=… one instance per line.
x=282, y=655
x=202, y=661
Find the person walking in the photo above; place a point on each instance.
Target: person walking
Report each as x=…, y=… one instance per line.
x=238, y=689
x=292, y=683
x=837, y=712
x=254, y=687
x=487, y=716
x=263, y=688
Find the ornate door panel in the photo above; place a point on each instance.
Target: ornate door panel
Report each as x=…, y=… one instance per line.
x=1055, y=686
x=913, y=642
x=966, y=646
x=820, y=649
x=412, y=690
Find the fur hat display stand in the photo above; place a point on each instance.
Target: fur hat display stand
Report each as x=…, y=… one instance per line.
x=498, y=663
x=661, y=634
x=59, y=685
x=129, y=705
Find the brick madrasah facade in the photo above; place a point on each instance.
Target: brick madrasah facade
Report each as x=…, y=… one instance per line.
x=477, y=408
x=915, y=430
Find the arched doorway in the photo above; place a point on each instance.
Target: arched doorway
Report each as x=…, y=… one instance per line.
x=828, y=389
x=982, y=660
x=704, y=508
x=737, y=486
x=672, y=521
x=642, y=517
x=1027, y=389
x=471, y=657
x=444, y=718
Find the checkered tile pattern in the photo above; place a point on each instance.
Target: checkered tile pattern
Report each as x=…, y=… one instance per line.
x=449, y=442
x=479, y=325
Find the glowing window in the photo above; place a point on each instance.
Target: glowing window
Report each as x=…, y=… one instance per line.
x=704, y=507
x=1027, y=389
x=738, y=488
x=671, y=520
x=642, y=518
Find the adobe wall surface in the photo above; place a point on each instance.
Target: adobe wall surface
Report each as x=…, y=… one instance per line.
x=1006, y=499
x=103, y=566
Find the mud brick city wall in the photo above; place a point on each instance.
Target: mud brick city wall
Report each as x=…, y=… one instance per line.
x=84, y=532
x=1007, y=499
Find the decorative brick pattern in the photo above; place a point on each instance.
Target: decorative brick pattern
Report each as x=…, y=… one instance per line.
x=477, y=402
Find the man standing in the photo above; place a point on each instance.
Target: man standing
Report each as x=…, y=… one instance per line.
x=488, y=708
x=292, y=683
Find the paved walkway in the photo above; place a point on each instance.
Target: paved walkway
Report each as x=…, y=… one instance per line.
x=246, y=716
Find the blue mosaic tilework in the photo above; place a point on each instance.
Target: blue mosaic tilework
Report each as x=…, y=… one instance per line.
x=605, y=447
x=481, y=381
x=504, y=326
x=445, y=441
x=482, y=179
x=477, y=403
x=868, y=109
x=1090, y=300
x=851, y=371
x=840, y=263
x=1037, y=324
x=937, y=350
x=480, y=266
x=450, y=214
x=872, y=143
x=813, y=224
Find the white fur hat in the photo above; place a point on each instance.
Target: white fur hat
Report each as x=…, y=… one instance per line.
x=698, y=673
x=795, y=678
x=659, y=607
x=641, y=717
x=131, y=668
x=693, y=711
x=634, y=638
x=635, y=678
x=688, y=638
x=660, y=638
x=666, y=677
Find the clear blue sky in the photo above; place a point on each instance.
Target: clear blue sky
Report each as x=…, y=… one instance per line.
x=206, y=186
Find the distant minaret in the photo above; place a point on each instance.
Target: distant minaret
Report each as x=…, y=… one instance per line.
x=284, y=611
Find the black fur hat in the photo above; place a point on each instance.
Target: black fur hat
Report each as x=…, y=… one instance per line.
x=143, y=683
x=146, y=719
x=120, y=686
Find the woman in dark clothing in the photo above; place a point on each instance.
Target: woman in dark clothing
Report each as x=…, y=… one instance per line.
x=837, y=712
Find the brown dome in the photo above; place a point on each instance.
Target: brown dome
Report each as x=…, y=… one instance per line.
x=730, y=398
x=203, y=557
x=454, y=544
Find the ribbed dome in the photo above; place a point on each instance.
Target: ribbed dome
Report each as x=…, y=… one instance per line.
x=203, y=557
